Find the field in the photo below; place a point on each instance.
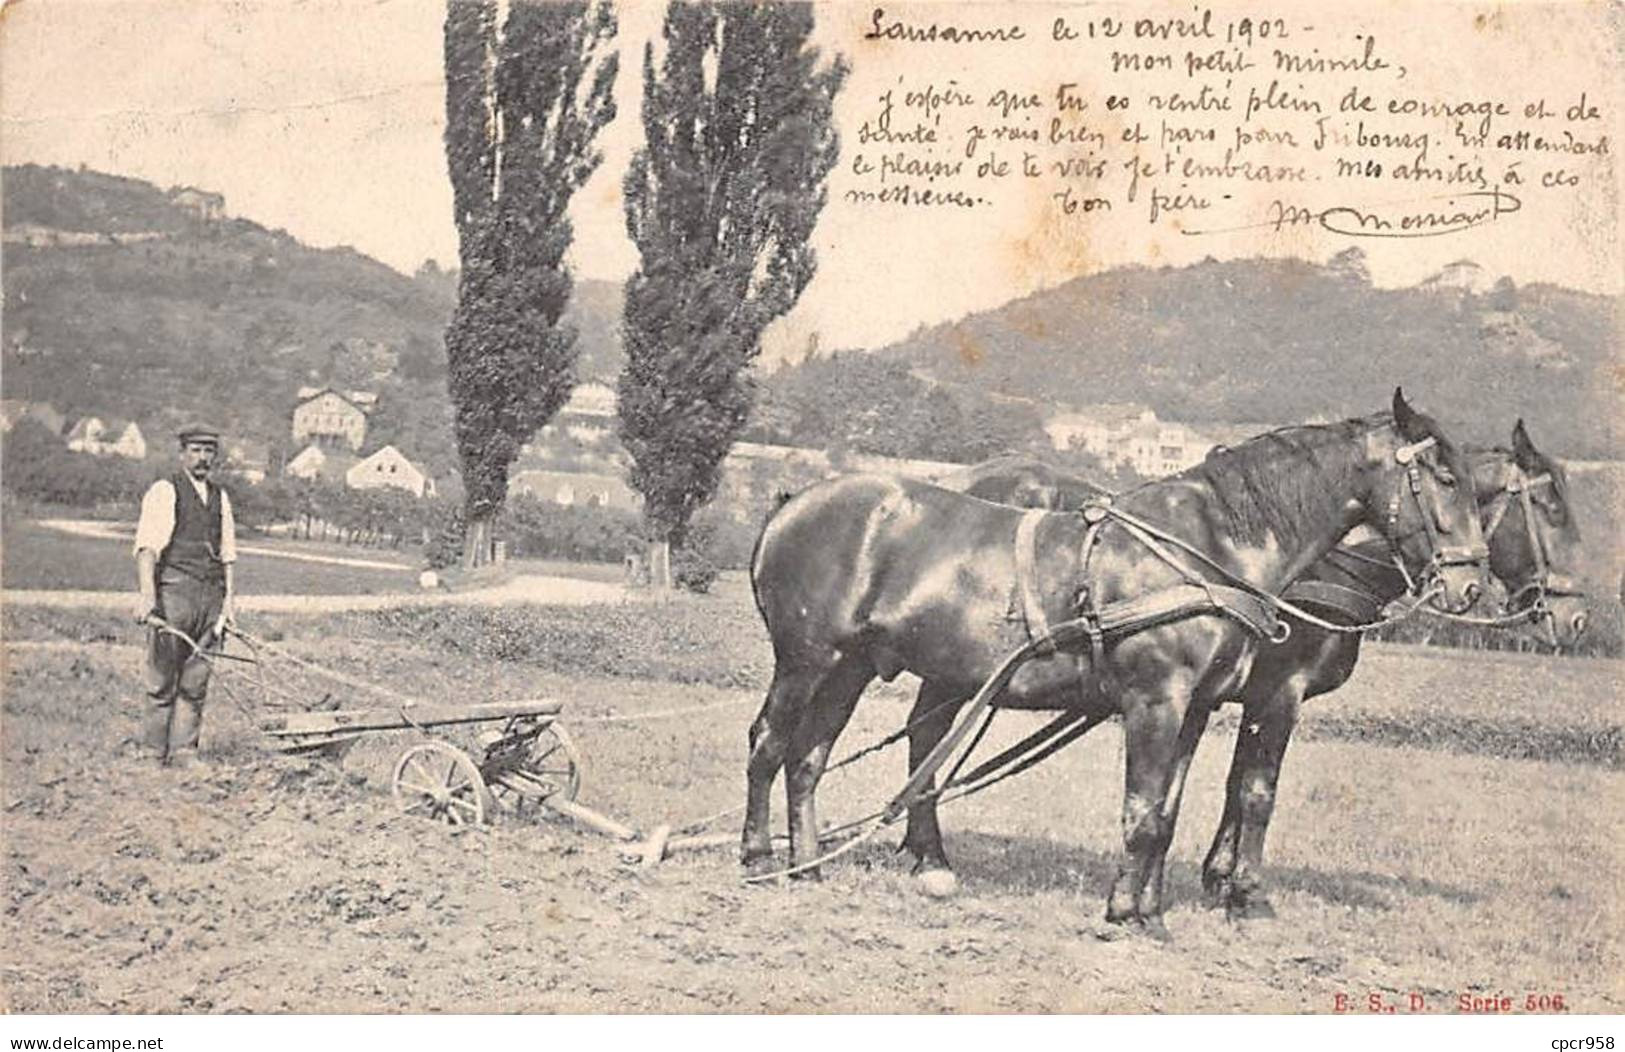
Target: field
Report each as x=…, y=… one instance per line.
x=1448, y=825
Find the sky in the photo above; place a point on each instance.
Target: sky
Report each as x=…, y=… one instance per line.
x=324, y=118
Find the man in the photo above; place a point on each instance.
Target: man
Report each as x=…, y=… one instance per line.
x=185, y=548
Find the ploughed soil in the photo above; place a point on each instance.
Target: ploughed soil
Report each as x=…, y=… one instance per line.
x=259, y=882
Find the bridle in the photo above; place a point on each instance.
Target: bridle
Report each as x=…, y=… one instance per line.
x=1441, y=555
x=1544, y=584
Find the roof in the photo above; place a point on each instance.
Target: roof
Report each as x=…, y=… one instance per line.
x=360, y=400
x=592, y=399
x=330, y=464
x=192, y=191
x=81, y=427
x=388, y=452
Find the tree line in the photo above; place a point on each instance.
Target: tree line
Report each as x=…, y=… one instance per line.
x=721, y=200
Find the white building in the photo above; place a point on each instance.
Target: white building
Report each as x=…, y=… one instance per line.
x=388, y=466
x=109, y=437
x=324, y=415
x=1132, y=435
x=588, y=416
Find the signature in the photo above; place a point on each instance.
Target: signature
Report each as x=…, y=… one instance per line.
x=1448, y=214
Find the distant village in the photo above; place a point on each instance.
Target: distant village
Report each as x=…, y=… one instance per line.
x=577, y=460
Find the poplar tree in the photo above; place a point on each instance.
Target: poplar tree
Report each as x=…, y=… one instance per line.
x=721, y=201
x=526, y=95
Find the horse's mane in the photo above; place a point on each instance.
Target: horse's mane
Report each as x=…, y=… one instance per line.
x=1257, y=498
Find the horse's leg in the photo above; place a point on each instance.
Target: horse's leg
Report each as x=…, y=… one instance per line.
x=836, y=695
x=1260, y=748
x=1312, y=663
x=787, y=700
x=1161, y=730
x=932, y=717
x=1220, y=863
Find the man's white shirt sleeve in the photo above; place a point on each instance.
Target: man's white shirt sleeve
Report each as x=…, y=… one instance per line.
x=228, y=530
x=157, y=523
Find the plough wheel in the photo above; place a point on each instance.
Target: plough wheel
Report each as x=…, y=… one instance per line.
x=552, y=769
x=439, y=782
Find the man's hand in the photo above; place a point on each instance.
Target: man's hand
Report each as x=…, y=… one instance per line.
x=146, y=610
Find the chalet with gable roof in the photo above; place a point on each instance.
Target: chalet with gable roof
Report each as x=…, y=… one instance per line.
x=317, y=462
x=333, y=418
x=588, y=416
x=388, y=467
x=202, y=205
x=112, y=436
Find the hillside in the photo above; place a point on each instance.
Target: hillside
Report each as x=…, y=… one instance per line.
x=122, y=298
x=1288, y=340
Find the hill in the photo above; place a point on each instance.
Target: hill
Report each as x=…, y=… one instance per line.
x=1290, y=340
x=124, y=298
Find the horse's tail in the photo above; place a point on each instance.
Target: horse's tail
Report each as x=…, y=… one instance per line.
x=780, y=498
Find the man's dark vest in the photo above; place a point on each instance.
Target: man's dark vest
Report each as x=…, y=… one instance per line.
x=194, y=548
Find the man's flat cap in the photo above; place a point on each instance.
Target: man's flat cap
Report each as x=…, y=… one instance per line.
x=197, y=431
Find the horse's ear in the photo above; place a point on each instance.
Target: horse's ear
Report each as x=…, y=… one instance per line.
x=1524, y=453
x=1405, y=418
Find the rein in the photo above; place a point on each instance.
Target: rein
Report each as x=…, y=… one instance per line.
x=1441, y=555
x=1517, y=486
x=1155, y=538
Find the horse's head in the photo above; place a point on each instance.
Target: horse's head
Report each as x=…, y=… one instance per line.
x=1533, y=539
x=1422, y=501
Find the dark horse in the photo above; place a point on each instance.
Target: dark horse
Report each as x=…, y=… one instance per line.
x=1533, y=547
x=868, y=576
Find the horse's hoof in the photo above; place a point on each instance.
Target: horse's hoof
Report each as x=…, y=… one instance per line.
x=1249, y=907
x=1153, y=929
x=1130, y=925
x=938, y=883
x=1217, y=893
x=759, y=865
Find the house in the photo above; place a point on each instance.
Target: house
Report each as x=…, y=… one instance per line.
x=388, y=466
x=13, y=411
x=317, y=462
x=753, y=472
x=1154, y=448
x=110, y=437
x=576, y=488
x=588, y=416
x=125, y=439
x=1093, y=429
x=85, y=434
x=1130, y=434
x=203, y=205
x=1462, y=276
x=329, y=417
